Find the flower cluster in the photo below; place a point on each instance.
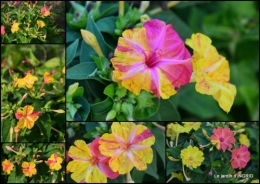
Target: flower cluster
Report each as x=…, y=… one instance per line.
x=34, y=19
x=195, y=152
x=29, y=161
x=112, y=154
x=223, y=138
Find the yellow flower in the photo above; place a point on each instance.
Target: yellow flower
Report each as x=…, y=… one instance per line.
x=63, y=70
x=48, y=78
x=26, y=117
x=91, y=40
x=255, y=181
x=211, y=71
x=243, y=139
x=88, y=164
x=179, y=176
x=40, y=23
x=176, y=130
x=15, y=27
x=27, y=81
x=54, y=162
x=169, y=131
x=192, y=125
x=29, y=169
x=129, y=145
x=7, y=166
x=192, y=156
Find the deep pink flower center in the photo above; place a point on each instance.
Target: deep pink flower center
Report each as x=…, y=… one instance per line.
x=151, y=58
x=221, y=139
x=94, y=160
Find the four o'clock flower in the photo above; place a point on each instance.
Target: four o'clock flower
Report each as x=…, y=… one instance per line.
x=152, y=58
x=240, y=157
x=211, y=71
x=223, y=138
x=26, y=117
x=2, y=30
x=54, y=162
x=88, y=164
x=7, y=166
x=45, y=11
x=48, y=78
x=129, y=145
x=27, y=81
x=29, y=169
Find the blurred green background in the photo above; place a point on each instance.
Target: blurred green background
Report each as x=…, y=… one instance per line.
x=234, y=30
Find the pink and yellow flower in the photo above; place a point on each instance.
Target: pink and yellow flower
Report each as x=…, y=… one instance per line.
x=223, y=138
x=240, y=157
x=48, y=78
x=129, y=145
x=88, y=164
x=45, y=11
x=211, y=71
x=26, y=117
x=2, y=30
x=40, y=23
x=7, y=166
x=152, y=58
x=29, y=169
x=54, y=162
x=27, y=81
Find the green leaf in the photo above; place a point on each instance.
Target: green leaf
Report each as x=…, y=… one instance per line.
x=81, y=71
x=52, y=63
x=79, y=92
x=159, y=143
x=197, y=170
x=84, y=110
x=16, y=175
x=96, y=87
x=72, y=109
x=127, y=109
x=213, y=155
x=202, y=106
x=173, y=167
x=86, y=50
x=176, y=151
x=5, y=124
x=107, y=25
x=45, y=126
x=111, y=115
x=72, y=35
x=71, y=51
x=110, y=90
x=103, y=106
x=166, y=112
x=121, y=117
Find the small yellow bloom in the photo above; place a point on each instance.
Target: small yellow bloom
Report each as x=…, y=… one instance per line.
x=40, y=23
x=211, y=71
x=91, y=40
x=179, y=176
x=63, y=70
x=243, y=139
x=7, y=166
x=26, y=117
x=15, y=27
x=29, y=169
x=27, y=81
x=255, y=181
x=54, y=162
x=48, y=78
x=192, y=156
x=192, y=125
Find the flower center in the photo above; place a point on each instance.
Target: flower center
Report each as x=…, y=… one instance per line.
x=190, y=158
x=151, y=58
x=94, y=160
x=125, y=146
x=221, y=139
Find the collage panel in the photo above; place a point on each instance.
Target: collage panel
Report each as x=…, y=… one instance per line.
x=33, y=163
x=33, y=22
x=32, y=93
x=212, y=152
x=115, y=152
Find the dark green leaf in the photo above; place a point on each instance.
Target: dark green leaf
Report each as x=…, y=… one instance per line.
x=103, y=106
x=71, y=51
x=159, y=143
x=81, y=71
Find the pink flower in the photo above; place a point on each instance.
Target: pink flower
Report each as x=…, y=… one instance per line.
x=45, y=11
x=152, y=58
x=223, y=138
x=240, y=157
x=88, y=164
x=2, y=30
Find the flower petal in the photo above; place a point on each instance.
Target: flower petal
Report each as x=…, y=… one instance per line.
x=81, y=152
x=79, y=170
x=108, y=145
x=121, y=163
x=104, y=168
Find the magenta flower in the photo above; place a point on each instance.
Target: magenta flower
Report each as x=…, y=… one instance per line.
x=2, y=30
x=88, y=164
x=240, y=157
x=152, y=58
x=223, y=138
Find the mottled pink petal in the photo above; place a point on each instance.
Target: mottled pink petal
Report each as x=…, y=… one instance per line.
x=94, y=147
x=105, y=169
